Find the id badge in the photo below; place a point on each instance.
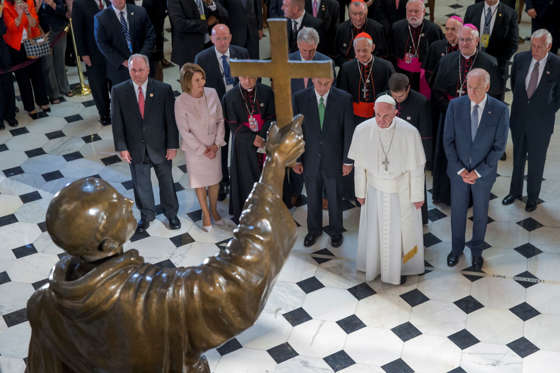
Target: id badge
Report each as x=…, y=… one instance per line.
x=484, y=39
x=408, y=57
x=203, y=17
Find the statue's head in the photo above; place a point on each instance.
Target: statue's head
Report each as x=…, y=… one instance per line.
x=90, y=219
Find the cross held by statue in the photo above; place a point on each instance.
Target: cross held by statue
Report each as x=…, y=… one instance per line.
x=280, y=70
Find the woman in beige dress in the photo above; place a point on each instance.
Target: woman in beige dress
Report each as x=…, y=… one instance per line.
x=200, y=121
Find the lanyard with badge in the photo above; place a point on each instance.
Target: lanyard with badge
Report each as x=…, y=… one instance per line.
x=485, y=37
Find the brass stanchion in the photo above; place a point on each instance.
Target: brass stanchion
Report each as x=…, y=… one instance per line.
x=83, y=89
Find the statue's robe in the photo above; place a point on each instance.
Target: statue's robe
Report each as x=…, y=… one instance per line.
x=125, y=315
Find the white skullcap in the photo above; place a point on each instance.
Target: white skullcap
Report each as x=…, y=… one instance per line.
x=386, y=99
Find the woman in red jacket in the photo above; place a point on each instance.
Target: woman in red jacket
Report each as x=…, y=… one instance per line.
x=22, y=23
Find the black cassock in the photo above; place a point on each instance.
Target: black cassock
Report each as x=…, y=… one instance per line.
x=410, y=47
x=246, y=162
x=416, y=110
x=450, y=82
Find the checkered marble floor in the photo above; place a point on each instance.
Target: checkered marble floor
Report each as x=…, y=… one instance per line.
x=321, y=315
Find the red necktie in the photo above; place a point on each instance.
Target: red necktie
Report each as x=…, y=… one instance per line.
x=396, y=4
x=100, y=4
x=141, y=102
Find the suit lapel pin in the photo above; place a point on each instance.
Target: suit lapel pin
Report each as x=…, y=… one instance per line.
x=151, y=95
x=344, y=45
x=499, y=14
x=422, y=34
x=131, y=13
x=262, y=104
x=489, y=113
x=408, y=118
x=547, y=72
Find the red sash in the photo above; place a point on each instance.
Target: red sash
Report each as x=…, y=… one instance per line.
x=363, y=109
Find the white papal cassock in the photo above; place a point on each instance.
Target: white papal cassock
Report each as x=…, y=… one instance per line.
x=390, y=240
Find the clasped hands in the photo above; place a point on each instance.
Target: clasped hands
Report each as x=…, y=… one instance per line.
x=469, y=177
x=169, y=155
x=211, y=151
x=417, y=205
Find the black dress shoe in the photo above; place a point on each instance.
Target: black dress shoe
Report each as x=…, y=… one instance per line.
x=310, y=239
x=452, y=259
x=403, y=280
x=143, y=225
x=477, y=263
x=174, y=223
x=33, y=115
x=12, y=122
x=337, y=240
x=509, y=199
x=105, y=121
x=530, y=206
x=503, y=157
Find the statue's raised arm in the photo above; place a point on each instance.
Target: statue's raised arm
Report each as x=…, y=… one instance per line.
x=107, y=311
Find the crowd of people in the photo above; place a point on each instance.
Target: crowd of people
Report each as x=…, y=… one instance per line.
x=421, y=98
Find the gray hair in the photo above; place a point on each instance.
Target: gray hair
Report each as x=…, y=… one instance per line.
x=356, y=40
x=416, y=1
x=139, y=55
x=473, y=31
x=479, y=72
x=540, y=33
x=308, y=35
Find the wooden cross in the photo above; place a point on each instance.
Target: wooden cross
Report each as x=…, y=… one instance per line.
x=280, y=70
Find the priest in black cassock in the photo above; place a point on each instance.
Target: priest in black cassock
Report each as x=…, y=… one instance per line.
x=450, y=82
x=358, y=23
x=411, y=39
x=364, y=77
x=440, y=48
x=248, y=111
x=416, y=110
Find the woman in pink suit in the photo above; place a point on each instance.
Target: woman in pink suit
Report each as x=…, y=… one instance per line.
x=199, y=117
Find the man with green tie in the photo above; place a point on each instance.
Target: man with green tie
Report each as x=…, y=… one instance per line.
x=327, y=130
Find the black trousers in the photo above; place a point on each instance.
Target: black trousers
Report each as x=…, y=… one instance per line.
x=143, y=192
x=314, y=187
x=31, y=81
x=531, y=149
x=461, y=193
x=8, y=97
x=100, y=86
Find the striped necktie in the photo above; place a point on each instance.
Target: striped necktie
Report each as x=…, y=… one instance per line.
x=124, y=30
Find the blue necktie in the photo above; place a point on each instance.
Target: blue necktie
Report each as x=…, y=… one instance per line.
x=227, y=71
x=474, y=121
x=124, y=29
x=487, y=21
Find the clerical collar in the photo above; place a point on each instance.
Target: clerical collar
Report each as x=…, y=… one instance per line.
x=367, y=63
x=416, y=27
x=468, y=57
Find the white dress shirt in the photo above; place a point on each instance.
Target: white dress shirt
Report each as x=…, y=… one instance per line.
x=298, y=21
x=542, y=64
x=118, y=13
x=480, y=111
x=493, y=11
x=144, y=88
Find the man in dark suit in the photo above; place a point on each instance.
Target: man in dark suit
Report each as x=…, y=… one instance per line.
x=307, y=42
x=327, y=130
x=83, y=13
x=535, y=82
x=246, y=23
x=191, y=21
x=8, y=101
x=327, y=11
x=388, y=12
x=122, y=30
x=544, y=14
x=475, y=136
x=294, y=10
x=215, y=62
x=499, y=33
x=347, y=31
x=145, y=134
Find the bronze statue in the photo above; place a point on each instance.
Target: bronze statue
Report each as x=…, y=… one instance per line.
x=105, y=311
x=108, y=311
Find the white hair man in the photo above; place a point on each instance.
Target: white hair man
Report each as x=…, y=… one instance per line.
x=389, y=180
x=535, y=82
x=411, y=39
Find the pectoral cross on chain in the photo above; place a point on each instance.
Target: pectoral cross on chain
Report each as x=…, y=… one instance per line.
x=386, y=164
x=460, y=91
x=281, y=70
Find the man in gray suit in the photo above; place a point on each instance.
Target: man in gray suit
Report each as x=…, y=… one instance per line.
x=474, y=138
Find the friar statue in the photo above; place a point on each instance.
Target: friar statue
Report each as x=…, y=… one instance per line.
x=105, y=310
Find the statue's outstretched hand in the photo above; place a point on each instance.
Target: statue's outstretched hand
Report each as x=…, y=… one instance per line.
x=286, y=145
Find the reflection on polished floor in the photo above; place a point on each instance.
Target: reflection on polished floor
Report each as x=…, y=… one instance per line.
x=321, y=316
